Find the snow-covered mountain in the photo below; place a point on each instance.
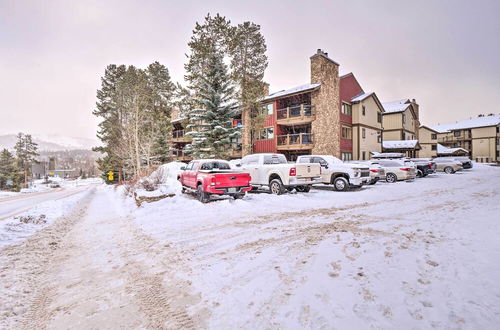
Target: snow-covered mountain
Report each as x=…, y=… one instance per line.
x=51, y=142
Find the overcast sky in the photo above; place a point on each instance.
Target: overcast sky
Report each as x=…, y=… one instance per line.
x=445, y=54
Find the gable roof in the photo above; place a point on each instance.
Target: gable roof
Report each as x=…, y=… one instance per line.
x=442, y=150
x=476, y=122
x=401, y=144
x=364, y=96
x=294, y=90
x=396, y=106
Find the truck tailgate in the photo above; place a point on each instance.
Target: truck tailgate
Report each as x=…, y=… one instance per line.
x=237, y=179
x=308, y=170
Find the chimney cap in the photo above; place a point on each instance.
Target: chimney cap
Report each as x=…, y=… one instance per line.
x=320, y=52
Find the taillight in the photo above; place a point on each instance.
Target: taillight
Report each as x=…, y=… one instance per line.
x=293, y=171
x=374, y=170
x=430, y=165
x=405, y=169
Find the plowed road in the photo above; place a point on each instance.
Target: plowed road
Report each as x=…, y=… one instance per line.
x=11, y=206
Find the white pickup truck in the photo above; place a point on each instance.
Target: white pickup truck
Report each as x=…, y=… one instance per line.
x=341, y=175
x=273, y=171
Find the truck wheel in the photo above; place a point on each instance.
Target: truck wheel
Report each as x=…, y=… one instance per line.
x=372, y=182
x=183, y=190
x=448, y=170
x=420, y=174
x=340, y=184
x=276, y=187
x=391, y=178
x=202, y=196
x=239, y=196
x=303, y=188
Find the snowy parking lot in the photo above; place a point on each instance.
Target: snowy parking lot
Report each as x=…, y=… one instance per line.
x=422, y=254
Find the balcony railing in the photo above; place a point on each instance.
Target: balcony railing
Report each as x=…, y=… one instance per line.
x=295, y=141
x=180, y=155
x=296, y=113
x=455, y=138
x=180, y=136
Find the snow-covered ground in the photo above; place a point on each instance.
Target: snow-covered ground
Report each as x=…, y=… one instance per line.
x=421, y=254
x=414, y=255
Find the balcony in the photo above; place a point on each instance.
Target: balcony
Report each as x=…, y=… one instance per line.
x=301, y=141
x=462, y=137
x=179, y=136
x=296, y=114
x=181, y=156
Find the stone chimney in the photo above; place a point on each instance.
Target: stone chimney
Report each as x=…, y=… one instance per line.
x=326, y=101
x=266, y=89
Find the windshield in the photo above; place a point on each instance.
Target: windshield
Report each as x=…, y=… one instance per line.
x=215, y=165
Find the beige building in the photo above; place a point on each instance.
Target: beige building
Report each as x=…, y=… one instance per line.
x=428, y=139
x=401, y=123
x=367, y=114
x=480, y=136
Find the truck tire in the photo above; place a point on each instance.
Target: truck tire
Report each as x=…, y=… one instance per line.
x=239, y=196
x=340, y=183
x=202, y=195
x=420, y=174
x=276, y=187
x=183, y=190
x=303, y=188
x=449, y=170
x=372, y=182
x=391, y=178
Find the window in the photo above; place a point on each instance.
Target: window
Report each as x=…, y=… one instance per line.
x=379, y=117
x=320, y=161
x=363, y=110
x=379, y=137
x=274, y=159
x=346, y=156
x=346, y=109
x=251, y=159
x=434, y=136
x=346, y=133
x=434, y=147
x=363, y=154
x=215, y=165
x=265, y=133
x=305, y=160
x=404, y=118
x=456, y=133
x=498, y=129
x=267, y=109
x=189, y=166
x=363, y=133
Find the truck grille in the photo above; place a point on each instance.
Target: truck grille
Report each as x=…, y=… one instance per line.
x=365, y=173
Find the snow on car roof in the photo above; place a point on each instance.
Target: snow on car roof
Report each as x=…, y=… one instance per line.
x=491, y=120
x=441, y=149
x=298, y=89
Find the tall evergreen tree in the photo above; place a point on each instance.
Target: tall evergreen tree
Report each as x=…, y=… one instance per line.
x=247, y=48
x=211, y=123
x=111, y=115
x=9, y=173
x=26, y=152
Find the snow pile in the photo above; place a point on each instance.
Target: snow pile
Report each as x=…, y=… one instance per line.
x=162, y=181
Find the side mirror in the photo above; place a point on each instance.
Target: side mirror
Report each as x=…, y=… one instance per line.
x=183, y=168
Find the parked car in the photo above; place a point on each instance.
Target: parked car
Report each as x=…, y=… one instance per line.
x=377, y=173
x=208, y=177
x=398, y=169
x=466, y=162
x=273, y=171
x=424, y=166
x=337, y=173
x=447, y=165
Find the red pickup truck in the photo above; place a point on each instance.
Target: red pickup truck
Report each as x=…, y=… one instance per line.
x=207, y=177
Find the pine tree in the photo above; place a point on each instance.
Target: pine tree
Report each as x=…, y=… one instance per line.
x=26, y=152
x=9, y=173
x=247, y=48
x=110, y=127
x=211, y=123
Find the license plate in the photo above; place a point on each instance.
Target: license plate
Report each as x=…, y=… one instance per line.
x=231, y=190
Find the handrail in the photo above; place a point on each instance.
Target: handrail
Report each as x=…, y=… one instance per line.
x=294, y=111
x=294, y=139
x=178, y=133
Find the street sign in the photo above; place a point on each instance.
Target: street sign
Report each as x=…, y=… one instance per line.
x=111, y=176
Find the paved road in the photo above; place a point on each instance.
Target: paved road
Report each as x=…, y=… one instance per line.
x=11, y=206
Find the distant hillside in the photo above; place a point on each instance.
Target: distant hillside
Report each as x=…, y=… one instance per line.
x=51, y=142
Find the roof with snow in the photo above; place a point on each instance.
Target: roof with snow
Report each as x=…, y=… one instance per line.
x=442, y=150
x=396, y=106
x=361, y=97
x=295, y=90
x=400, y=144
x=485, y=121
